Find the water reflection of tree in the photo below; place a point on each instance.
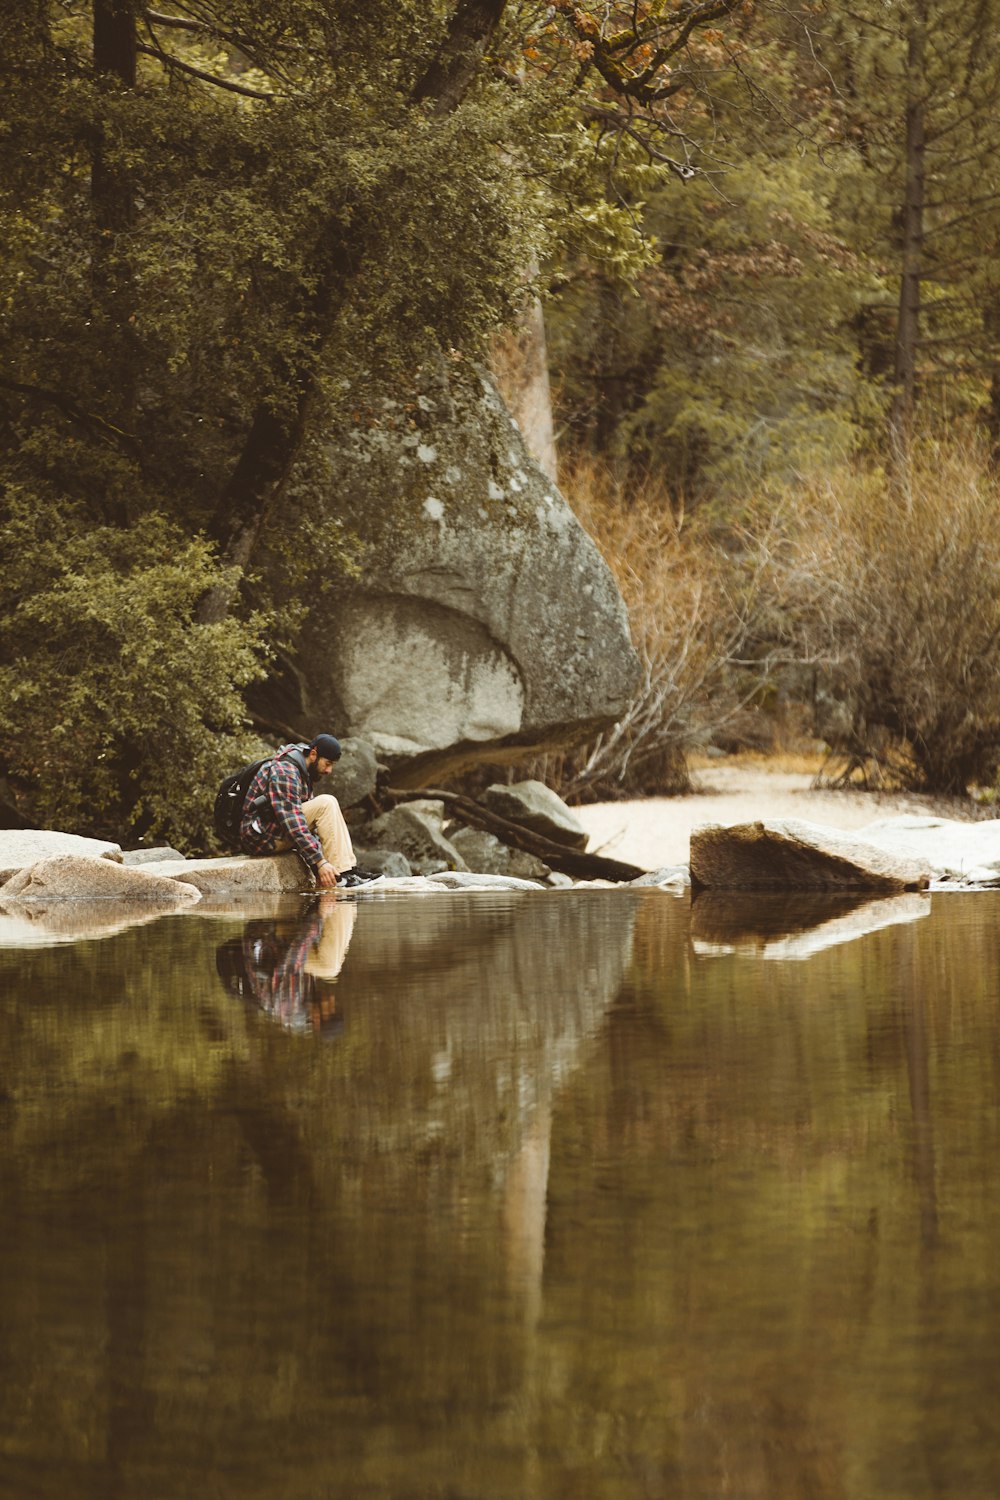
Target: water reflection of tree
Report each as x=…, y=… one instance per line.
x=373, y=1265
x=783, y=1134
x=290, y=1241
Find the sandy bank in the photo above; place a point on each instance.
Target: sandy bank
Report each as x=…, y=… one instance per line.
x=657, y=831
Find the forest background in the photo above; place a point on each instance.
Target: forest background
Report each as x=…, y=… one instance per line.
x=764, y=237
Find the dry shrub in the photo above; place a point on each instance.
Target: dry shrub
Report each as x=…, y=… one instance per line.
x=893, y=589
x=689, y=603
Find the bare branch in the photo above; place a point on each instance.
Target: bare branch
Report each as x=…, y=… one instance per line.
x=170, y=61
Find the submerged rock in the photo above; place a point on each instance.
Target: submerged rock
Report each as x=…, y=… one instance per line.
x=787, y=854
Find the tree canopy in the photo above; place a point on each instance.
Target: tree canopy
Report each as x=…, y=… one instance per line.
x=216, y=219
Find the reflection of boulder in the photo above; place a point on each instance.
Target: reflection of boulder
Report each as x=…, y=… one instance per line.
x=789, y=855
x=484, y=617
x=476, y=1013
x=793, y=926
x=33, y=924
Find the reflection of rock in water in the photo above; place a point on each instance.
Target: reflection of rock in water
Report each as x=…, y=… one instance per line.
x=342, y=1243
x=792, y=926
x=476, y=1010
x=34, y=923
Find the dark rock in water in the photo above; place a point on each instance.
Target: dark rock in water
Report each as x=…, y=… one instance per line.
x=539, y=808
x=484, y=622
x=789, y=855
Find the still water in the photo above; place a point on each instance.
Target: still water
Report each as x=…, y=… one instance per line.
x=595, y=1194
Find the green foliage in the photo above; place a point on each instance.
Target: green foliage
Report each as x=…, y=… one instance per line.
x=175, y=259
x=116, y=708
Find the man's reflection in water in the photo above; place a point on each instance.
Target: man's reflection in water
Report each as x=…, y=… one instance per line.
x=289, y=968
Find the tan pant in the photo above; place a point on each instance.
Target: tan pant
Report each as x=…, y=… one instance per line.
x=326, y=821
x=326, y=959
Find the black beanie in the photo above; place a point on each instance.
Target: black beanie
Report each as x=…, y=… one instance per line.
x=326, y=747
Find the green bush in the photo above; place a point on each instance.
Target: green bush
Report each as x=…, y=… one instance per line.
x=119, y=712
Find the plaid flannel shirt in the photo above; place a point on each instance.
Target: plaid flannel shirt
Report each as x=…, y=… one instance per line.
x=262, y=828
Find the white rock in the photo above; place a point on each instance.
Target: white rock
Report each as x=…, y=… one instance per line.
x=20, y=847
x=956, y=853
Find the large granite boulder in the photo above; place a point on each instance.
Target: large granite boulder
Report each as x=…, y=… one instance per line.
x=791, y=855
x=157, y=854
x=355, y=775
x=21, y=847
x=483, y=621
x=242, y=874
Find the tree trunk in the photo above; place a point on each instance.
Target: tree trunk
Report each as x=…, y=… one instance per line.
x=908, y=322
x=113, y=203
x=255, y=483
x=991, y=415
x=115, y=40
x=449, y=77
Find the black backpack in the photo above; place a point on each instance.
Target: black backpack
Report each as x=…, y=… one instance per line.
x=232, y=794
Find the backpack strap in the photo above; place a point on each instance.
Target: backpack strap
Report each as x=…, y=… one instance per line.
x=297, y=756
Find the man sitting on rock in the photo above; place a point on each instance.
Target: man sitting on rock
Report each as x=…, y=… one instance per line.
x=281, y=813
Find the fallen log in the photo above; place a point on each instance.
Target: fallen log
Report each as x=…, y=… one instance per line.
x=573, y=862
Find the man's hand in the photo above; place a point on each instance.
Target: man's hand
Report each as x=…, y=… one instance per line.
x=326, y=875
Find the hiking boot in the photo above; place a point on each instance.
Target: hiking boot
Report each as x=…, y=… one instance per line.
x=356, y=875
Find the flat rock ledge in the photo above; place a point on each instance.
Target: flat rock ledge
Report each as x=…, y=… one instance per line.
x=81, y=877
x=241, y=874
x=786, y=854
